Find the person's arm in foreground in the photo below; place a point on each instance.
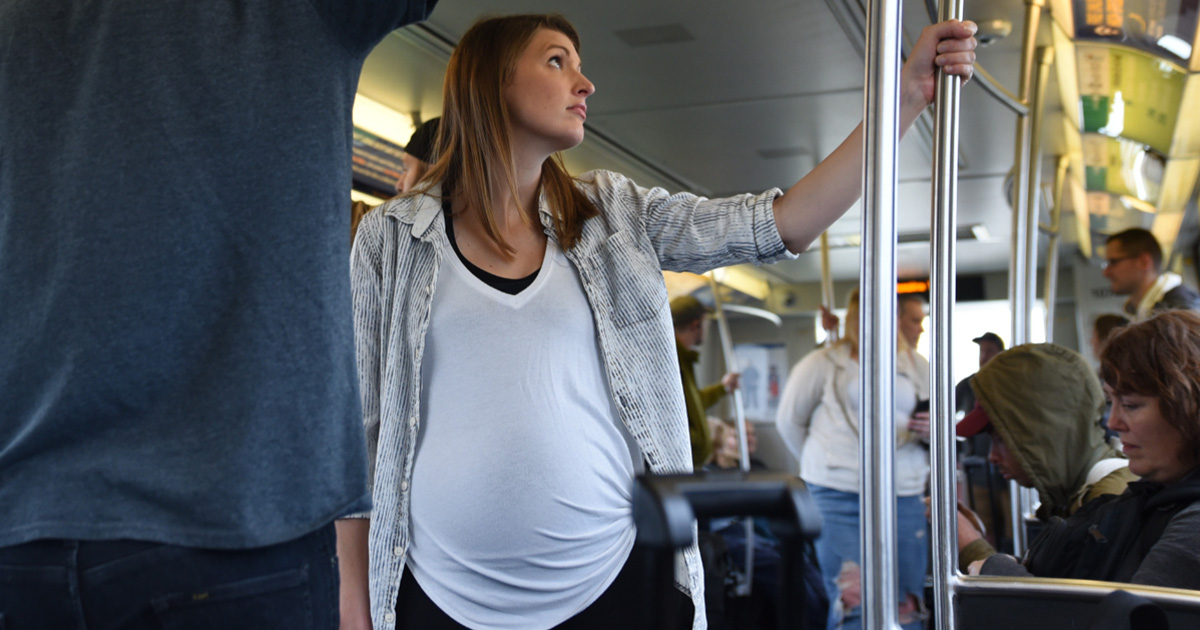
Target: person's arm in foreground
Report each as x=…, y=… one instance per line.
x=354, y=598
x=353, y=533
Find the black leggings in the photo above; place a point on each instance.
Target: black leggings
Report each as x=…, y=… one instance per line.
x=415, y=611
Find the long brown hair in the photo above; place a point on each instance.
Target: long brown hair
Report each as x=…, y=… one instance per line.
x=1160, y=358
x=474, y=143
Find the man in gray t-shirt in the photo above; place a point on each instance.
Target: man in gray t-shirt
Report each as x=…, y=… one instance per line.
x=177, y=370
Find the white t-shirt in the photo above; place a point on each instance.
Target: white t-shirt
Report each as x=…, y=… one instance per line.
x=521, y=487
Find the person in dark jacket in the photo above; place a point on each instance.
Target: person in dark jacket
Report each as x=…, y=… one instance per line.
x=687, y=314
x=1151, y=371
x=1133, y=264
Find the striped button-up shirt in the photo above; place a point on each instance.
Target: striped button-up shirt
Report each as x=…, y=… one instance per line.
x=395, y=264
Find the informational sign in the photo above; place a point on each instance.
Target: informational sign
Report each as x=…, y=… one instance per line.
x=1162, y=27
x=1122, y=167
x=377, y=164
x=764, y=370
x=1130, y=94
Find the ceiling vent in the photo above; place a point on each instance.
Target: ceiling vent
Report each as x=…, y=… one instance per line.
x=655, y=35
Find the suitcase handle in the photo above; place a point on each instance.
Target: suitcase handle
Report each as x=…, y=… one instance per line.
x=665, y=507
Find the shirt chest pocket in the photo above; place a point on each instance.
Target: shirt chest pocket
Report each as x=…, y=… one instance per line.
x=634, y=278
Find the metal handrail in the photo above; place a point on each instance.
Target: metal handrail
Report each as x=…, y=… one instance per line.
x=877, y=296
x=740, y=416
x=827, y=297
x=1051, y=283
x=941, y=305
x=1033, y=174
x=982, y=77
x=1018, y=274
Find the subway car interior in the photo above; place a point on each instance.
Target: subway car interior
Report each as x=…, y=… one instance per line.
x=970, y=401
x=1075, y=127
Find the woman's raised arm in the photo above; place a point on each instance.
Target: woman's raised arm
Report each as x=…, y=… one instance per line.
x=815, y=202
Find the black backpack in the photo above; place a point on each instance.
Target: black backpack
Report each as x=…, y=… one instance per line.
x=1109, y=537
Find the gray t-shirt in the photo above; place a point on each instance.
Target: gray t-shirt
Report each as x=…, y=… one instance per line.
x=177, y=360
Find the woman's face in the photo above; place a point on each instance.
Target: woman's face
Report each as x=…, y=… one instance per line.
x=547, y=96
x=1152, y=445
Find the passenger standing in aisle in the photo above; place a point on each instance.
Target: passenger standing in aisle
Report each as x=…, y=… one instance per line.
x=818, y=420
x=687, y=316
x=1133, y=263
x=990, y=344
x=179, y=413
x=502, y=490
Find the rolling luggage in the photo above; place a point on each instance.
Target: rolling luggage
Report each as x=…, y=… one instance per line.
x=666, y=509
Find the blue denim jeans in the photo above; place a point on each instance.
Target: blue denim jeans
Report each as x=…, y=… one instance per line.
x=133, y=585
x=839, y=543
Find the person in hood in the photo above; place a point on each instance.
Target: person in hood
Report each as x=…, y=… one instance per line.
x=1041, y=405
x=1147, y=535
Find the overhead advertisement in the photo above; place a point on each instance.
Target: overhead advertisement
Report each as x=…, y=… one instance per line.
x=1122, y=167
x=376, y=163
x=1162, y=27
x=1129, y=93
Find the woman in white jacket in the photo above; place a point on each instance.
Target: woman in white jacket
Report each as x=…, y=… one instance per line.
x=818, y=419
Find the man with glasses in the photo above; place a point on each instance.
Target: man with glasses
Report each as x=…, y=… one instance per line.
x=1133, y=264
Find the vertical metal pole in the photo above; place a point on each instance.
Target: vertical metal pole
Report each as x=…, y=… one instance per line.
x=827, y=297
x=1037, y=106
x=1017, y=274
x=1051, y=284
x=941, y=305
x=740, y=415
x=877, y=292
x=1018, y=277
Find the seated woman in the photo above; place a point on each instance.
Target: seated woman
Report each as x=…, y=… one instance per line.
x=1151, y=372
x=727, y=453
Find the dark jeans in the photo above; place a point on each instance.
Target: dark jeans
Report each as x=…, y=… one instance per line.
x=626, y=604
x=132, y=585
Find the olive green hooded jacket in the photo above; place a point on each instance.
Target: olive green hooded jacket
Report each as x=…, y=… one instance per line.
x=1045, y=403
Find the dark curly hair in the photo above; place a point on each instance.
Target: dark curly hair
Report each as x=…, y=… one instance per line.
x=1160, y=357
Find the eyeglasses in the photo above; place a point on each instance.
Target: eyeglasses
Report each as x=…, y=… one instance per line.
x=1108, y=262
